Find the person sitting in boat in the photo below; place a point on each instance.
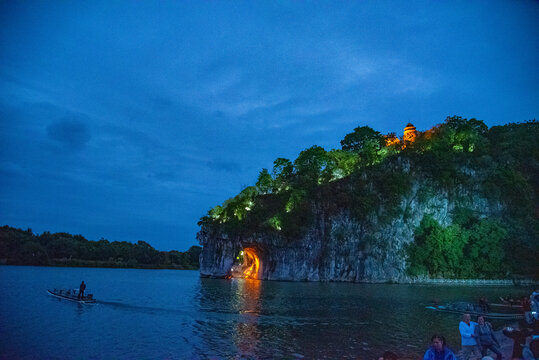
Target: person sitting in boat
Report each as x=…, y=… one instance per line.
x=486, y=339
x=526, y=303
x=508, y=300
x=438, y=349
x=483, y=304
x=81, y=290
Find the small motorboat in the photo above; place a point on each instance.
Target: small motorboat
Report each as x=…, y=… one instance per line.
x=474, y=310
x=72, y=295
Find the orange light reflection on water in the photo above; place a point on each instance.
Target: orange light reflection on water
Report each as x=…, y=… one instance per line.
x=247, y=334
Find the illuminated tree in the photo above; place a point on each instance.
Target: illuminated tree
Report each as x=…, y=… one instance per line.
x=309, y=165
x=365, y=142
x=459, y=134
x=339, y=164
x=282, y=174
x=264, y=184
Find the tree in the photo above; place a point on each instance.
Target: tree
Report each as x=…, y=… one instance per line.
x=340, y=164
x=309, y=165
x=193, y=255
x=366, y=142
x=282, y=174
x=485, y=247
x=460, y=134
x=34, y=253
x=264, y=184
x=238, y=206
x=437, y=251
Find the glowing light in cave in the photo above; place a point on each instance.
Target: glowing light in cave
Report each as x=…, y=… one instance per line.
x=247, y=265
x=251, y=264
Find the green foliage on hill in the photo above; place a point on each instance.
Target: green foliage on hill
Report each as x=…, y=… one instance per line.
x=19, y=247
x=370, y=175
x=470, y=249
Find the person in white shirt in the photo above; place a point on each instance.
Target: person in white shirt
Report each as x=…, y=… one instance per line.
x=467, y=334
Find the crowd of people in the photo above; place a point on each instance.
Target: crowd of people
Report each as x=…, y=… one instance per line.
x=479, y=341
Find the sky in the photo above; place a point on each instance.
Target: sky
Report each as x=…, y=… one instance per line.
x=129, y=120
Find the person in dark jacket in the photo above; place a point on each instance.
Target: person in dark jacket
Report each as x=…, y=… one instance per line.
x=81, y=290
x=484, y=335
x=519, y=339
x=438, y=350
x=530, y=350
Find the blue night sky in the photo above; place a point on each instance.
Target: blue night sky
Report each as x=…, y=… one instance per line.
x=130, y=120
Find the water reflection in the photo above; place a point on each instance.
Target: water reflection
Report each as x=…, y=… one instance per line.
x=247, y=299
x=251, y=319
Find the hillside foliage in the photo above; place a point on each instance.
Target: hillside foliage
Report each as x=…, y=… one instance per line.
x=366, y=177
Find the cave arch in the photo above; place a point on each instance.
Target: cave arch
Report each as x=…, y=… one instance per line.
x=248, y=265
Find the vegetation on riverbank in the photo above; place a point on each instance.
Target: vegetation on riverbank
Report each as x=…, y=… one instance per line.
x=370, y=175
x=22, y=247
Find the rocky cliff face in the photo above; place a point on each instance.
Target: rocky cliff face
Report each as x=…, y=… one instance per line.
x=338, y=247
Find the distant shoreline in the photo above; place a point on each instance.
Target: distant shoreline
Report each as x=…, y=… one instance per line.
x=424, y=281
x=473, y=282
x=88, y=264
x=23, y=247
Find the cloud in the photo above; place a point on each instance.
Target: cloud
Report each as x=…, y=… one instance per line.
x=71, y=133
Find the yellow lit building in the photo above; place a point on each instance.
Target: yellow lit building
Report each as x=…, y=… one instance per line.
x=410, y=133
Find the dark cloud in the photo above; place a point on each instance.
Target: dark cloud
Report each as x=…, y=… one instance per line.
x=71, y=133
x=129, y=136
x=225, y=166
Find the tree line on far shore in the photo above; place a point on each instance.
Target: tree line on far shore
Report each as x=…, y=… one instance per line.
x=23, y=247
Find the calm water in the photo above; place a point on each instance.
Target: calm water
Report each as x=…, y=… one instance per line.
x=167, y=314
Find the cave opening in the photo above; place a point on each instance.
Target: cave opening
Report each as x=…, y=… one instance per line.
x=247, y=264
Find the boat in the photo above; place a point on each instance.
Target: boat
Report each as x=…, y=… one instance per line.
x=474, y=310
x=72, y=295
x=508, y=305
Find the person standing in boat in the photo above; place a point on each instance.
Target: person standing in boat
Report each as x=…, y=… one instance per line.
x=467, y=334
x=81, y=290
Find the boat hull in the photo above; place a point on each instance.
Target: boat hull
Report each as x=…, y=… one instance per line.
x=71, y=298
x=490, y=315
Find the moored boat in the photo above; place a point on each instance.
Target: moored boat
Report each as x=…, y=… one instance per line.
x=474, y=310
x=72, y=295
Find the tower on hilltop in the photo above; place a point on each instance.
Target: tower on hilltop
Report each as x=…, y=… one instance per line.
x=410, y=133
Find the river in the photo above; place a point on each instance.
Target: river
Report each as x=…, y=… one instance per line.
x=172, y=314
